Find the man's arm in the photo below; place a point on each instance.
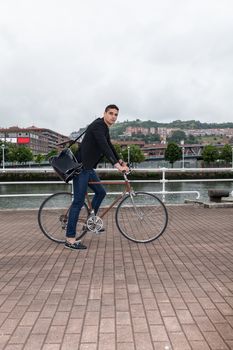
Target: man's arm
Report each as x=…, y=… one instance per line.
x=113, y=149
x=108, y=150
x=104, y=145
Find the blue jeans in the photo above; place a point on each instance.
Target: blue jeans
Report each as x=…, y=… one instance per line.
x=80, y=185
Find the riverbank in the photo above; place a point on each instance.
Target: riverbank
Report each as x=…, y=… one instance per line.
x=47, y=174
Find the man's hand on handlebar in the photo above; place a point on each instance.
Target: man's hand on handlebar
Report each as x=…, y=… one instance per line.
x=122, y=166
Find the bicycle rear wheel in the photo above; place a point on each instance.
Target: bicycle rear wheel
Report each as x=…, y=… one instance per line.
x=53, y=217
x=141, y=217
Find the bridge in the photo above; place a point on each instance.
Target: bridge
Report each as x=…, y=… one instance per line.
x=157, y=151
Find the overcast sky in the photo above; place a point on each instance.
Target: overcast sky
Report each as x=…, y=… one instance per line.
x=62, y=62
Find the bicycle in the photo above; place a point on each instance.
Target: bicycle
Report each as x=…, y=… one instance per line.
x=140, y=216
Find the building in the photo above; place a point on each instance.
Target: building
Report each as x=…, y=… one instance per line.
x=39, y=140
x=228, y=132
x=135, y=130
x=125, y=144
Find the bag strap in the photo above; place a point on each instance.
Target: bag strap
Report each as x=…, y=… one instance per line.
x=71, y=142
x=77, y=138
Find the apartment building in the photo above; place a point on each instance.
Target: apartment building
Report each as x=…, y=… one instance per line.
x=204, y=132
x=39, y=140
x=132, y=130
x=165, y=132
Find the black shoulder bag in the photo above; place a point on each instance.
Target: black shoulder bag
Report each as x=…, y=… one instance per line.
x=65, y=163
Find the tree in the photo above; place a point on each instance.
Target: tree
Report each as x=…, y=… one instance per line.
x=74, y=148
x=23, y=154
x=39, y=158
x=152, y=138
x=11, y=155
x=52, y=153
x=1, y=151
x=210, y=153
x=226, y=153
x=7, y=151
x=173, y=153
x=191, y=139
x=118, y=150
x=16, y=153
x=177, y=136
x=135, y=154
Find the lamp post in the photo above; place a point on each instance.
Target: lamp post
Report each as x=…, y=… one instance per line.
x=232, y=157
x=128, y=154
x=182, y=145
x=3, y=157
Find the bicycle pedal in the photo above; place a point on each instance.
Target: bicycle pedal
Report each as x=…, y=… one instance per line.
x=101, y=230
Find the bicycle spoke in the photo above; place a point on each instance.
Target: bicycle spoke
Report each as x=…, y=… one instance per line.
x=53, y=216
x=141, y=218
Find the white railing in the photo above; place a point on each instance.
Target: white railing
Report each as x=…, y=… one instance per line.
x=163, y=181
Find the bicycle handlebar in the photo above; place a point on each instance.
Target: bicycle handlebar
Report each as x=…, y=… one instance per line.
x=126, y=173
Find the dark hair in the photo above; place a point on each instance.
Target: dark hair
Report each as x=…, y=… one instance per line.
x=111, y=107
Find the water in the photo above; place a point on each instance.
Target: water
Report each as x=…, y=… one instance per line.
x=34, y=202
x=28, y=202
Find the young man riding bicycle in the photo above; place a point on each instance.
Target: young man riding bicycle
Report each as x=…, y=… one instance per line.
x=96, y=143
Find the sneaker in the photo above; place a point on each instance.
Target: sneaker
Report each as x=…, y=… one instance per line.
x=74, y=246
x=101, y=230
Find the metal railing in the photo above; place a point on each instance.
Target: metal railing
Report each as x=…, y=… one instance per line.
x=163, y=181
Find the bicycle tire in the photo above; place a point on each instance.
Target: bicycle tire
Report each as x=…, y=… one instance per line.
x=143, y=221
x=53, y=215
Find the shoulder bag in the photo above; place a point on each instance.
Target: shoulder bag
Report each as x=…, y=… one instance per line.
x=65, y=163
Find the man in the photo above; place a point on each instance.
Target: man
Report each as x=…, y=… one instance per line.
x=96, y=143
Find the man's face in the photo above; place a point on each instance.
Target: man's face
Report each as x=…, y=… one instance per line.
x=110, y=116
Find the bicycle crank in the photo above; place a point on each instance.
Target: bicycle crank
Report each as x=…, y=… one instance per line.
x=94, y=224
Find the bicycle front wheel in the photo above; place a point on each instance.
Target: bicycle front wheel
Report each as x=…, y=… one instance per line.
x=53, y=217
x=141, y=217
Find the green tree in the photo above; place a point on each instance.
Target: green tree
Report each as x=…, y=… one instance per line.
x=191, y=139
x=152, y=138
x=24, y=154
x=177, y=136
x=226, y=153
x=74, y=148
x=7, y=150
x=1, y=151
x=210, y=154
x=135, y=154
x=11, y=155
x=173, y=153
x=118, y=150
x=52, y=153
x=39, y=158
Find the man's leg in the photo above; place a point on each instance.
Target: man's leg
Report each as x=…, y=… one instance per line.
x=80, y=184
x=99, y=191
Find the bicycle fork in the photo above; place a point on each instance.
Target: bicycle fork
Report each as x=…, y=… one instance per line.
x=138, y=212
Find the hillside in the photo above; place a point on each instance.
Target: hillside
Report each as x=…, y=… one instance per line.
x=118, y=129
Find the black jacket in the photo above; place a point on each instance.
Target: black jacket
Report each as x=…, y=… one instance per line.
x=96, y=144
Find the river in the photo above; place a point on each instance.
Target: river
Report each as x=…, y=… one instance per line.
x=34, y=202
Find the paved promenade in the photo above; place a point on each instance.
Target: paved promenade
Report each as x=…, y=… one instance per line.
x=173, y=294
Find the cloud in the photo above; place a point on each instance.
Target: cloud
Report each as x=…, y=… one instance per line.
x=62, y=62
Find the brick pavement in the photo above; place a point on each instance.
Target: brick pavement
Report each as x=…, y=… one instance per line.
x=173, y=294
